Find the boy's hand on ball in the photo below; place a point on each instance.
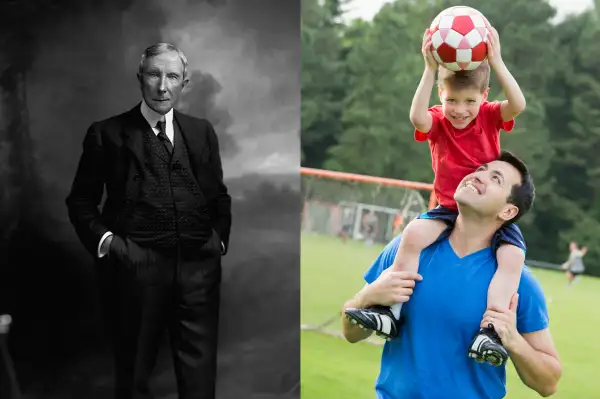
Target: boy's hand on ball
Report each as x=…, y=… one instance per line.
x=430, y=62
x=493, y=47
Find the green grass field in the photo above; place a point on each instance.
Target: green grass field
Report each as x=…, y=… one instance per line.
x=331, y=272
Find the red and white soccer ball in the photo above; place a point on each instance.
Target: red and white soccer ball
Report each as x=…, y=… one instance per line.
x=458, y=37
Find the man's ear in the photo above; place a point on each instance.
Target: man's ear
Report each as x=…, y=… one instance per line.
x=508, y=212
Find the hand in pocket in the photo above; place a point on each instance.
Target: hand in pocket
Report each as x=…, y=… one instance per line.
x=217, y=242
x=117, y=248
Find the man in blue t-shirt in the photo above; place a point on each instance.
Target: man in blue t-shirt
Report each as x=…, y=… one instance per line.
x=429, y=359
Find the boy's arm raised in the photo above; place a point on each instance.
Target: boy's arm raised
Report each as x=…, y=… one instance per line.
x=515, y=100
x=419, y=116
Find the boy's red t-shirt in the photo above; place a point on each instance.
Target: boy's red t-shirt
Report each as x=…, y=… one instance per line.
x=457, y=152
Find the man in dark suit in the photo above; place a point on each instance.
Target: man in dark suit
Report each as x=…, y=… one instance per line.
x=163, y=228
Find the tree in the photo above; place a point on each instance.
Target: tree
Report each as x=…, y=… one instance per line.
x=322, y=79
x=384, y=68
x=576, y=168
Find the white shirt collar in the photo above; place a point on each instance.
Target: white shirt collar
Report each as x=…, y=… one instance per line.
x=152, y=117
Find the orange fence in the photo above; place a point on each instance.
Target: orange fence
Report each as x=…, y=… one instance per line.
x=330, y=174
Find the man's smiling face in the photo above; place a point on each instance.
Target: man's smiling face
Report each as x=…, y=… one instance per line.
x=487, y=190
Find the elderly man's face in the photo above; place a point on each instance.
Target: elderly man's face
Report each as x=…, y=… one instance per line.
x=486, y=190
x=162, y=81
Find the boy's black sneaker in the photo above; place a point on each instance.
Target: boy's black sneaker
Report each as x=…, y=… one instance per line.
x=377, y=318
x=487, y=347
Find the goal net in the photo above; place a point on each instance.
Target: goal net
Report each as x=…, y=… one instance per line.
x=360, y=207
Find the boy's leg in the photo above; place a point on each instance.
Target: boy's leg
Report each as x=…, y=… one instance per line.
x=506, y=279
x=486, y=345
x=417, y=235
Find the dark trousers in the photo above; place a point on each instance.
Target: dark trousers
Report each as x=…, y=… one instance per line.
x=157, y=291
x=9, y=387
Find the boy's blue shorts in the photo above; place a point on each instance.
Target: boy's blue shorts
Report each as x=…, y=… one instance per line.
x=510, y=234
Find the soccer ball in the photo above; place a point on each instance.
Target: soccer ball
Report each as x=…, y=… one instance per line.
x=458, y=37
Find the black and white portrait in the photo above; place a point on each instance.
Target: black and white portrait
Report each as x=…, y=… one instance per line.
x=149, y=211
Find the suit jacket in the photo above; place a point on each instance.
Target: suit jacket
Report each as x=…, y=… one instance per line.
x=113, y=156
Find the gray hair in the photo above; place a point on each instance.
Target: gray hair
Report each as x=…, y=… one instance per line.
x=161, y=48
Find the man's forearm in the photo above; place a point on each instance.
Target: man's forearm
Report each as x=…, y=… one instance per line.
x=538, y=370
x=353, y=332
x=87, y=191
x=87, y=223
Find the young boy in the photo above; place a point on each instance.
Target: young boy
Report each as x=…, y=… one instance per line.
x=463, y=132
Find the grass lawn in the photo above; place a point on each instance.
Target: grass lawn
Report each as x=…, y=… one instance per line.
x=331, y=272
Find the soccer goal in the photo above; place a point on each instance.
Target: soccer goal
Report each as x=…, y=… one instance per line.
x=360, y=207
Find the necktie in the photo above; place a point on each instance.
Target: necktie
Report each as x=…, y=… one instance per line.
x=162, y=136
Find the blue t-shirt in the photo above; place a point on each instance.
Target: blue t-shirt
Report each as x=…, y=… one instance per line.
x=429, y=359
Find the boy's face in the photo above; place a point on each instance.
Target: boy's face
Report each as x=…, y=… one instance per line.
x=461, y=106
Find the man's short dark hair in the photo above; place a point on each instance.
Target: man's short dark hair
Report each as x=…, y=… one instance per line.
x=523, y=194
